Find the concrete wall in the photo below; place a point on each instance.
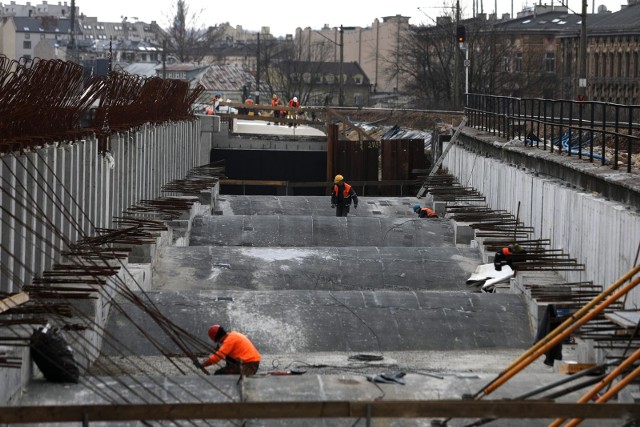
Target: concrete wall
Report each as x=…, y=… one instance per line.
x=601, y=233
x=57, y=195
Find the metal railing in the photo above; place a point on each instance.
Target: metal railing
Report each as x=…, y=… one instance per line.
x=602, y=131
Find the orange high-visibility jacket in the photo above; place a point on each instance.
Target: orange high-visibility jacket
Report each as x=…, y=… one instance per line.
x=236, y=346
x=428, y=213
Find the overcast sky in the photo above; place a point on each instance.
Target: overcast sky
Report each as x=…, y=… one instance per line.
x=284, y=16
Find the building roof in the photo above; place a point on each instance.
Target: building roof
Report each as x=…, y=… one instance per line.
x=549, y=22
x=226, y=78
x=625, y=20
x=145, y=69
x=47, y=24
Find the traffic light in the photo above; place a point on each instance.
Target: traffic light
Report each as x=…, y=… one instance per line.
x=460, y=34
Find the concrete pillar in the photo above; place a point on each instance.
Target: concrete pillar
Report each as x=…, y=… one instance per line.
x=8, y=223
x=73, y=179
x=33, y=254
x=22, y=231
x=62, y=201
x=46, y=168
x=115, y=178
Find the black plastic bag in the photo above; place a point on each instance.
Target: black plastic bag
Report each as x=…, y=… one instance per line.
x=53, y=356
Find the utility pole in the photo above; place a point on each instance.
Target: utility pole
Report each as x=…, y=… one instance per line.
x=456, y=63
x=258, y=71
x=341, y=89
x=73, y=31
x=582, y=78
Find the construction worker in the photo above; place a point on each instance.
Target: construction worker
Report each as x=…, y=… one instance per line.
x=505, y=256
x=293, y=114
x=249, y=101
x=216, y=102
x=236, y=349
x=342, y=196
x=424, y=212
x=275, y=101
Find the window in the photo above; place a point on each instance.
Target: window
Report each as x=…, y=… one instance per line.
x=550, y=62
x=518, y=62
x=636, y=72
x=27, y=36
x=611, y=65
x=596, y=65
x=619, y=64
x=505, y=64
x=26, y=44
x=627, y=63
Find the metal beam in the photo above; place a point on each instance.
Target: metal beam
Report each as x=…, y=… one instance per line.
x=521, y=409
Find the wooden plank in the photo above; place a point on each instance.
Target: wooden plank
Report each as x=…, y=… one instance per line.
x=626, y=319
x=13, y=301
x=503, y=409
x=572, y=367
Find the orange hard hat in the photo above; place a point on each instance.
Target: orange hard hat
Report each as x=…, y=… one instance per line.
x=216, y=332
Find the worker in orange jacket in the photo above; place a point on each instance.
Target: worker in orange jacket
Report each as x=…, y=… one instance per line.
x=342, y=196
x=424, y=212
x=504, y=256
x=275, y=101
x=236, y=349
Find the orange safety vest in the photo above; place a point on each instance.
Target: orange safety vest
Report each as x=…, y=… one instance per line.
x=429, y=212
x=248, y=102
x=294, y=104
x=506, y=251
x=345, y=191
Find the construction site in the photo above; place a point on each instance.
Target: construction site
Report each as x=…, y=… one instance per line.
x=124, y=242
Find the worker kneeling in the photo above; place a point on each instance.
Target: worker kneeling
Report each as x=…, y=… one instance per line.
x=236, y=349
x=505, y=256
x=424, y=212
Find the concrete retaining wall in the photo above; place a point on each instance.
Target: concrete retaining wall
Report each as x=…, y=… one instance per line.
x=600, y=233
x=63, y=192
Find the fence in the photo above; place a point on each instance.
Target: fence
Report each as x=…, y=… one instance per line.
x=598, y=131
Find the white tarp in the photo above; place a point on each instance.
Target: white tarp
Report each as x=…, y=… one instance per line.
x=487, y=277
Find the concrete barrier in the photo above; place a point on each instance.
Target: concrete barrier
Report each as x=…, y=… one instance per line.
x=599, y=232
x=62, y=193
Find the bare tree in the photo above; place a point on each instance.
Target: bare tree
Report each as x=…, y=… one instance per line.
x=294, y=68
x=186, y=39
x=426, y=64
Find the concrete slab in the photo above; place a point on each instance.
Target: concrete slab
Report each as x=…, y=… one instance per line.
x=393, y=207
x=253, y=127
x=200, y=388
x=336, y=268
x=303, y=321
x=305, y=231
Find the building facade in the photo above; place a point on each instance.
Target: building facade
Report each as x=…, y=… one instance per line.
x=376, y=49
x=613, y=63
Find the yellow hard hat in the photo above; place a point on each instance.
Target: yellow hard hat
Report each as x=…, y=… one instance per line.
x=338, y=178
